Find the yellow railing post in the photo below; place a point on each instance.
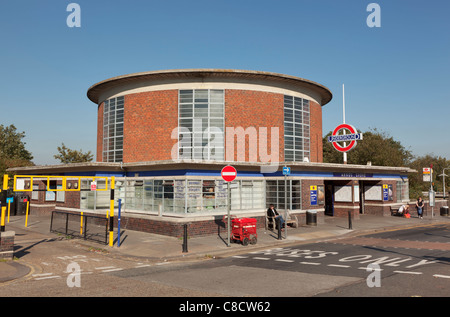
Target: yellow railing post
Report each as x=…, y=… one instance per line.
x=81, y=224
x=111, y=215
x=26, y=215
x=4, y=191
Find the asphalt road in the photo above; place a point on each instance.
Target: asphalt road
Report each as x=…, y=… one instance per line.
x=410, y=262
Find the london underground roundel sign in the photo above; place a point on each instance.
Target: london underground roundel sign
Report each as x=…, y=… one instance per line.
x=351, y=137
x=228, y=173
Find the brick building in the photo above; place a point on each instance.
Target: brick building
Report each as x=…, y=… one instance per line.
x=166, y=135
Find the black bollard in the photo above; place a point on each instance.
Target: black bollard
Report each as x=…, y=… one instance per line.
x=279, y=227
x=185, y=247
x=350, y=227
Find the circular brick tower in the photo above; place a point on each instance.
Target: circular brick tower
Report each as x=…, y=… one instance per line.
x=179, y=114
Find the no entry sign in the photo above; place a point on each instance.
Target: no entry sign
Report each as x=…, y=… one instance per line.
x=229, y=173
x=352, y=137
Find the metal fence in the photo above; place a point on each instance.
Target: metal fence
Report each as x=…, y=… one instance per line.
x=88, y=227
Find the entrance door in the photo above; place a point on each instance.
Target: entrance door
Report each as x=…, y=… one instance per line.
x=329, y=198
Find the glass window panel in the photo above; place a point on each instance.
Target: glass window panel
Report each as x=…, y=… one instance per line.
x=289, y=142
x=306, y=105
x=216, y=96
x=112, y=104
x=288, y=115
x=288, y=101
x=306, y=131
x=216, y=123
x=201, y=114
x=186, y=113
x=119, y=143
x=298, y=143
x=289, y=155
x=288, y=130
x=201, y=95
x=298, y=103
x=186, y=96
x=111, y=131
x=187, y=123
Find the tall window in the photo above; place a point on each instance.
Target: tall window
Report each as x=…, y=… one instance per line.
x=275, y=191
x=296, y=129
x=113, y=130
x=403, y=190
x=201, y=124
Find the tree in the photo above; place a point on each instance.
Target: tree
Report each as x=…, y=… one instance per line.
x=67, y=155
x=376, y=147
x=12, y=149
x=416, y=183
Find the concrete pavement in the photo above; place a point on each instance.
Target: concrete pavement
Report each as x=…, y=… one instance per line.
x=140, y=245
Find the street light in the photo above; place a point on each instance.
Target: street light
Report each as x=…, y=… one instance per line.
x=443, y=179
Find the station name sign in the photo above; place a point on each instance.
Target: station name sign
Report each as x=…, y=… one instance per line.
x=344, y=138
x=353, y=175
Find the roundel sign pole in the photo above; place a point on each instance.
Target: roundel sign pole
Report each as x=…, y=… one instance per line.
x=345, y=137
x=229, y=174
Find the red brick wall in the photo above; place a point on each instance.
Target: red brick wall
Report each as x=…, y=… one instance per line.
x=149, y=119
x=256, y=109
x=315, y=132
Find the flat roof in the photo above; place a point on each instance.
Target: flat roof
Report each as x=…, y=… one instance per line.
x=212, y=165
x=95, y=90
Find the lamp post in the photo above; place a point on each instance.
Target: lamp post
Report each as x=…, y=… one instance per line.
x=443, y=179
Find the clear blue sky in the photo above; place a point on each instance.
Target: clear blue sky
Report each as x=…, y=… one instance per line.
x=397, y=77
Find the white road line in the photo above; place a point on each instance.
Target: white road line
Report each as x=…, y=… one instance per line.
x=310, y=263
x=142, y=265
x=442, y=276
x=408, y=272
x=112, y=270
x=283, y=260
x=370, y=269
x=258, y=258
x=42, y=274
x=339, y=265
x=105, y=267
x=240, y=257
x=47, y=277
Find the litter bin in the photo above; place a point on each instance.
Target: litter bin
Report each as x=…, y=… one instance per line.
x=311, y=218
x=444, y=211
x=21, y=204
